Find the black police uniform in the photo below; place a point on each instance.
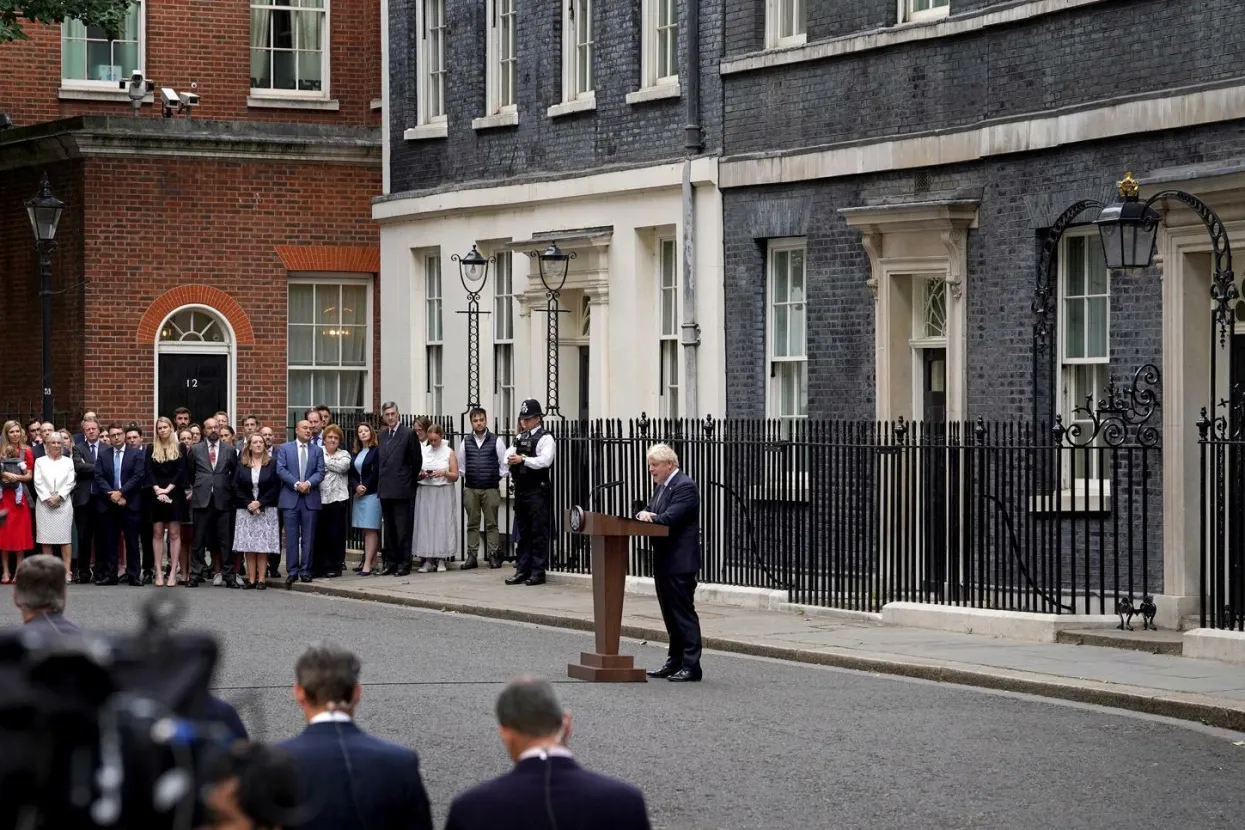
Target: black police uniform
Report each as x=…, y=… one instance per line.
x=531, y=495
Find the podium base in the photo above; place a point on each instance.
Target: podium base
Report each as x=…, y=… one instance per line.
x=606, y=668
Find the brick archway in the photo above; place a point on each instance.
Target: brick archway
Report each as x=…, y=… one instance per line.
x=204, y=295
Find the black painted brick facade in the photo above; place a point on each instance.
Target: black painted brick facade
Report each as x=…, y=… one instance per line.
x=616, y=134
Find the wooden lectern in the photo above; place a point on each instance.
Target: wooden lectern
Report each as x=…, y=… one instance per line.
x=609, y=580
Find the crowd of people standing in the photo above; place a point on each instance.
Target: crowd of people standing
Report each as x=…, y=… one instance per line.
x=198, y=501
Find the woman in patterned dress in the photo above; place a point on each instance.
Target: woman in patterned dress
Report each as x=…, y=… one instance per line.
x=17, y=469
x=256, y=492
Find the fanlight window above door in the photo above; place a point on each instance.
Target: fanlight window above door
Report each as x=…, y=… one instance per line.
x=191, y=326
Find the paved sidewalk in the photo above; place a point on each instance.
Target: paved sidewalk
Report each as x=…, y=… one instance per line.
x=1182, y=687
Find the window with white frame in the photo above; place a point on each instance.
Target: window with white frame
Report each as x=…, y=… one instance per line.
x=328, y=335
x=1085, y=340
x=501, y=58
x=915, y=11
x=787, y=340
x=578, y=47
x=433, y=335
x=90, y=57
x=660, y=42
x=289, y=47
x=503, y=339
x=786, y=23
x=668, y=341
x=430, y=61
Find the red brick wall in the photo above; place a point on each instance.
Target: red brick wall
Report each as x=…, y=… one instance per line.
x=21, y=316
x=208, y=43
x=229, y=217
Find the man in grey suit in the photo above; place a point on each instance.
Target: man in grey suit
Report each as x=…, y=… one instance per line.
x=399, y=459
x=213, y=464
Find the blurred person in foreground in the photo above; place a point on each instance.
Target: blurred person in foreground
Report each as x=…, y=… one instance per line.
x=536, y=730
x=252, y=787
x=352, y=781
x=39, y=592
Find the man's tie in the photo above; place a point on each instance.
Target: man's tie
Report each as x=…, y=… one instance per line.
x=116, y=463
x=212, y=455
x=302, y=461
x=657, y=497
x=93, y=456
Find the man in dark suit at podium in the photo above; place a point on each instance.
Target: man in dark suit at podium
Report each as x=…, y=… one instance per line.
x=676, y=559
x=547, y=788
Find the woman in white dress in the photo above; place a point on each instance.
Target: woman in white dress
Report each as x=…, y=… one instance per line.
x=436, y=506
x=54, y=481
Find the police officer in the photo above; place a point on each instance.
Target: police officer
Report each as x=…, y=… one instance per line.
x=530, y=459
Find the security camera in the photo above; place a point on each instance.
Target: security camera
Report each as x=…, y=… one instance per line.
x=169, y=96
x=190, y=99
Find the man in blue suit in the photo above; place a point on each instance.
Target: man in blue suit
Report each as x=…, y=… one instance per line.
x=120, y=471
x=351, y=781
x=676, y=560
x=547, y=788
x=300, y=466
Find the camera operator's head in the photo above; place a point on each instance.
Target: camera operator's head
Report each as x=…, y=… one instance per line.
x=529, y=716
x=39, y=587
x=326, y=678
x=252, y=787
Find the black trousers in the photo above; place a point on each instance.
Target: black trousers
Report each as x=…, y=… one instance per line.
x=212, y=527
x=115, y=522
x=675, y=595
x=531, y=515
x=146, y=532
x=396, y=515
x=86, y=519
x=330, y=551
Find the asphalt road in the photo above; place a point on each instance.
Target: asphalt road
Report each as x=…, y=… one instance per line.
x=758, y=744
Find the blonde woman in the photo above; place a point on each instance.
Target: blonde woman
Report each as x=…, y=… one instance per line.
x=17, y=469
x=166, y=476
x=54, y=482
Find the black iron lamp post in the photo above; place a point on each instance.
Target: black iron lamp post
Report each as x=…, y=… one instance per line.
x=473, y=272
x=554, y=263
x=45, y=211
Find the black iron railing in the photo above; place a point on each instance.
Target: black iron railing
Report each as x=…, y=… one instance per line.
x=1008, y=515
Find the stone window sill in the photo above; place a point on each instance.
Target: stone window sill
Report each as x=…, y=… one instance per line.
x=265, y=102
x=570, y=107
x=655, y=93
x=424, y=131
x=121, y=96
x=501, y=119
x=377, y=104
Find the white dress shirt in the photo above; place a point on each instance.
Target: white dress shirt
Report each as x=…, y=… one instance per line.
x=545, y=751
x=503, y=469
x=332, y=716
x=544, y=454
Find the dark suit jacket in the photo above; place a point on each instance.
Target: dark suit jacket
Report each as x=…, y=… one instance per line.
x=370, y=477
x=222, y=712
x=269, y=486
x=84, y=470
x=380, y=788
x=212, y=488
x=399, y=460
x=133, y=474
x=53, y=624
x=580, y=799
x=679, y=510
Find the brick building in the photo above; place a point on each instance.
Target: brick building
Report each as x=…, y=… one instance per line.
x=889, y=171
x=223, y=257
x=512, y=125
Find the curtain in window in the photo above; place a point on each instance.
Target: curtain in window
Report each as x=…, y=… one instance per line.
x=308, y=32
x=73, y=50
x=301, y=333
x=261, y=74
x=351, y=390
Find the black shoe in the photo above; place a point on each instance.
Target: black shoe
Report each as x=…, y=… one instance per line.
x=305, y=578
x=358, y=568
x=664, y=671
x=149, y=577
x=192, y=582
x=133, y=581
x=274, y=573
x=517, y=579
x=388, y=571
x=685, y=676
x=402, y=572
x=108, y=580
x=248, y=586
x=291, y=579
x=494, y=560
x=261, y=586
x=332, y=574
x=470, y=563
x=536, y=580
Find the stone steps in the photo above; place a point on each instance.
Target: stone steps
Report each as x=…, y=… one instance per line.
x=1153, y=642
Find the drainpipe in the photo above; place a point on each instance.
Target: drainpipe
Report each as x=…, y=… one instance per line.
x=690, y=328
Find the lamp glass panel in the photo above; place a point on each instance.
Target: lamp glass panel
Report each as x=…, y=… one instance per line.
x=1109, y=236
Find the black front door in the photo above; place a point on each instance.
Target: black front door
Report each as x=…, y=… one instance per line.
x=584, y=362
x=934, y=467
x=199, y=382
x=934, y=386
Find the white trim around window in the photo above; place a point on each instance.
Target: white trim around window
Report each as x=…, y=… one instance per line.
x=923, y=11
x=659, y=56
x=786, y=341
x=578, y=59
x=434, y=334
x=786, y=23
x=81, y=79
x=501, y=67
x=667, y=276
x=302, y=46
